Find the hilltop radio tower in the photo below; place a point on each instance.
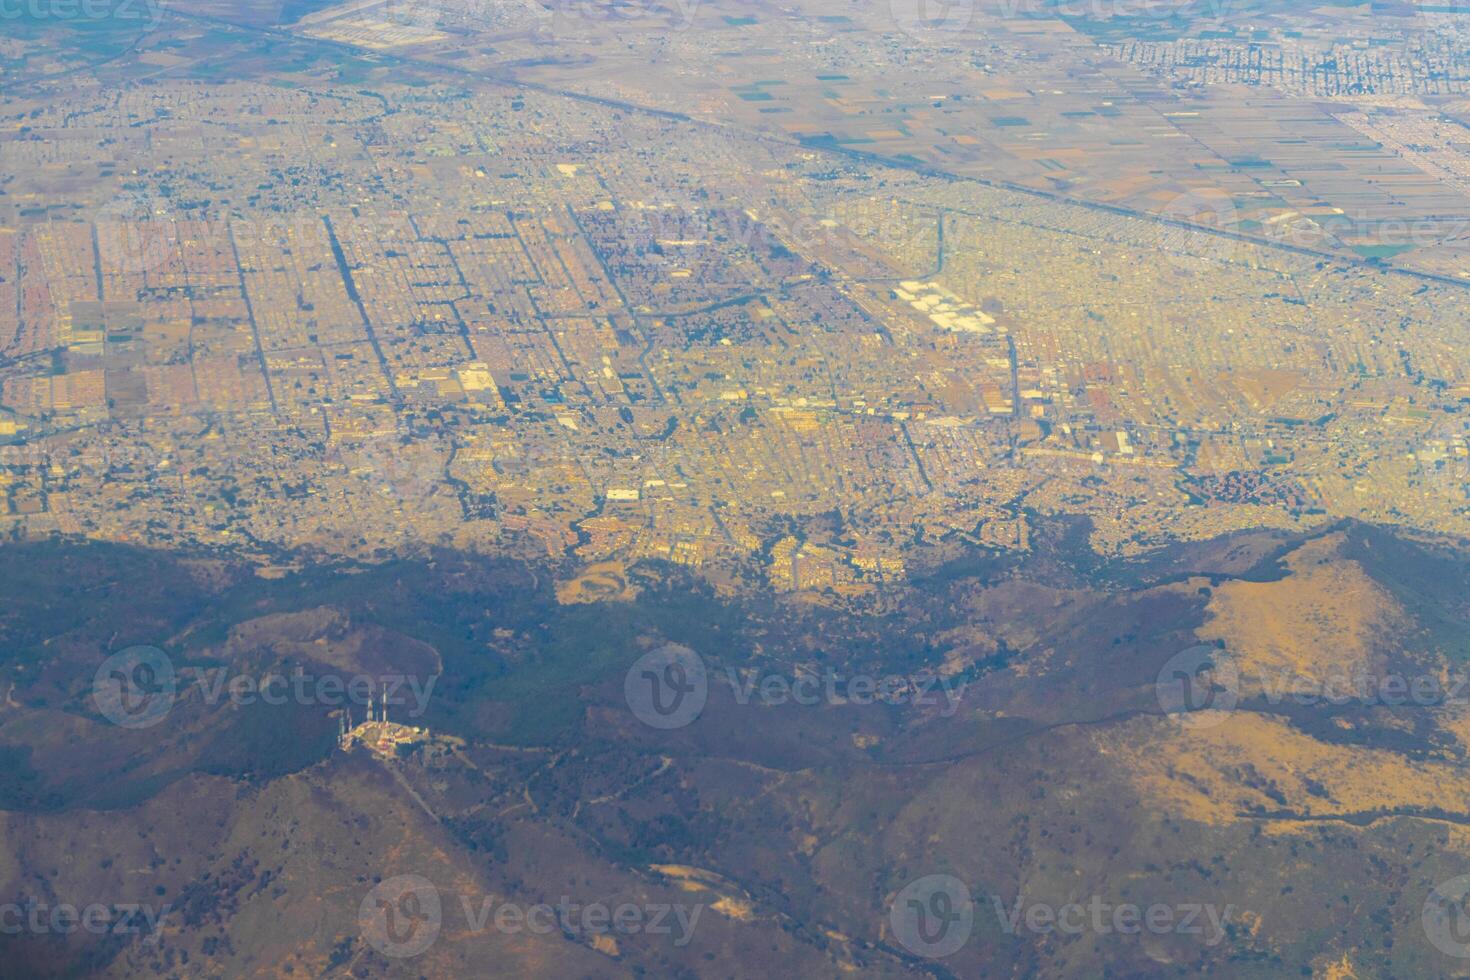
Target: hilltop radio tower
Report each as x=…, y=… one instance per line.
x=376, y=732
